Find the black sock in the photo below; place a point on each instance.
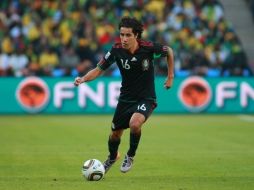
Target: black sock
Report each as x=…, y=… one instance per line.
x=113, y=148
x=134, y=141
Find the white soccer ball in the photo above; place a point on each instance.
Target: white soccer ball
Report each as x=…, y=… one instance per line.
x=93, y=170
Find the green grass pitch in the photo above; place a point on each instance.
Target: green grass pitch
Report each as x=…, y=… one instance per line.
x=177, y=152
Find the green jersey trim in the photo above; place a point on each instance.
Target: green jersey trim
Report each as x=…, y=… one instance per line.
x=156, y=56
x=100, y=67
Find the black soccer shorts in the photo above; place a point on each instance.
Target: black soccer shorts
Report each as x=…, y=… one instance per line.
x=125, y=110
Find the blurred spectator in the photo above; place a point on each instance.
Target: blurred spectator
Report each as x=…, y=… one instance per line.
x=5, y=68
x=66, y=38
x=235, y=62
x=18, y=62
x=34, y=69
x=84, y=51
x=212, y=11
x=81, y=68
x=68, y=60
x=48, y=60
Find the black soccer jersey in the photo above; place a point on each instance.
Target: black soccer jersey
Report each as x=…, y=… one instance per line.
x=137, y=69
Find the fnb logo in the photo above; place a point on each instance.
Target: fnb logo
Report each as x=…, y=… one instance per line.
x=32, y=94
x=195, y=94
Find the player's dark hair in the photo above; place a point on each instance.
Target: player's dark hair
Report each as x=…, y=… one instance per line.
x=128, y=22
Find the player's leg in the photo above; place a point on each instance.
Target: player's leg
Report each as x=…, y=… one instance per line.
x=136, y=122
x=120, y=122
x=144, y=110
x=113, y=144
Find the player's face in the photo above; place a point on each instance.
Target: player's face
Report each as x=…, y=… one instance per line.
x=128, y=39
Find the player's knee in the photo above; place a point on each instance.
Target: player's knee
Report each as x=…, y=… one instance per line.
x=135, y=126
x=116, y=134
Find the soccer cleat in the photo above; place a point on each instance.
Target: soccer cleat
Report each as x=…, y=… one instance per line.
x=127, y=164
x=108, y=163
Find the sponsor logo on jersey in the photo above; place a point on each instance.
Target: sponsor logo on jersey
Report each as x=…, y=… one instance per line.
x=145, y=64
x=32, y=94
x=195, y=94
x=134, y=59
x=107, y=55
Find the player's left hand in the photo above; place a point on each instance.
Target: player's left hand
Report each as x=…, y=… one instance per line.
x=168, y=83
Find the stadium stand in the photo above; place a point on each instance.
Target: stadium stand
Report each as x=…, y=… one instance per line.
x=243, y=25
x=251, y=6
x=67, y=38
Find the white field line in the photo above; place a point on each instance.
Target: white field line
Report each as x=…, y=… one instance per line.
x=248, y=118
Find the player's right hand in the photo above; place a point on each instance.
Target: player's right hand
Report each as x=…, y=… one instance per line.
x=78, y=81
x=168, y=83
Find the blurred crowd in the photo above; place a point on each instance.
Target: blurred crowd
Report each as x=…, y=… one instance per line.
x=68, y=37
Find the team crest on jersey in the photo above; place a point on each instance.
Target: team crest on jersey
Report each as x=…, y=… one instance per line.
x=145, y=64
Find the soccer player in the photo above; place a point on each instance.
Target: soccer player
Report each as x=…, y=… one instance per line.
x=134, y=58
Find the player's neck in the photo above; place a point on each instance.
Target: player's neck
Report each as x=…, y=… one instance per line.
x=134, y=47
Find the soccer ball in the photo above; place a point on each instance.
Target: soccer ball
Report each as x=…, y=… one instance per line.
x=93, y=170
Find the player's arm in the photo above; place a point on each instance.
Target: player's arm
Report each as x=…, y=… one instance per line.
x=170, y=62
x=103, y=64
x=91, y=75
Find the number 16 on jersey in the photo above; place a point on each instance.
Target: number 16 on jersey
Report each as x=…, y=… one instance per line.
x=125, y=64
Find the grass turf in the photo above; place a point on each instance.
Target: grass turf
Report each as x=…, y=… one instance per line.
x=177, y=152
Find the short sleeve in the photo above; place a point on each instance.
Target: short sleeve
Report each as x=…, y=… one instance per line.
x=159, y=51
x=107, y=60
